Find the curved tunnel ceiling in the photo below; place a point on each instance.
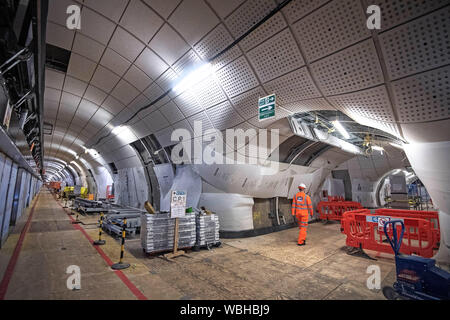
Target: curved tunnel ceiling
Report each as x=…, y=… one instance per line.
x=315, y=55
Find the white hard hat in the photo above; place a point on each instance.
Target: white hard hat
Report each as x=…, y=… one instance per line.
x=302, y=185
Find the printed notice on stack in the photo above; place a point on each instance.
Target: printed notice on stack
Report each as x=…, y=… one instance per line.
x=178, y=204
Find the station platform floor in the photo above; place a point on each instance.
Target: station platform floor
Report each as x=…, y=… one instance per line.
x=35, y=258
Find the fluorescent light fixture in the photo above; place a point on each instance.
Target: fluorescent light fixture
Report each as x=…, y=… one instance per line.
x=397, y=171
x=378, y=148
x=194, y=77
x=341, y=129
x=398, y=146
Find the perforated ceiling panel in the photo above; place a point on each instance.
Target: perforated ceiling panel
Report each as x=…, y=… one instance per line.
x=331, y=28
x=294, y=86
x=424, y=97
x=203, y=119
x=208, y=93
x=263, y=32
x=247, y=15
x=237, y=77
x=308, y=105
x=420, y=45
x=299, y=8
x=352, y=69
x=224, y=116
x=276, y=56
x=372, y=104
x=188, y=104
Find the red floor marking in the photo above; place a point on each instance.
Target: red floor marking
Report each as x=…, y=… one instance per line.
x=138, y=294
x=15, y=256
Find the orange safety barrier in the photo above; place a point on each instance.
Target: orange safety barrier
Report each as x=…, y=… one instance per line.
x=333, y=210
x=335, y=198
x=365, y=230
x=431, y=216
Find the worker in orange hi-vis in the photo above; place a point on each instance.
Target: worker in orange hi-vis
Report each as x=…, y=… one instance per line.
x=301, y=206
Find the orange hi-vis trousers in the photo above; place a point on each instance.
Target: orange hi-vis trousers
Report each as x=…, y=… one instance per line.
x=301, y=206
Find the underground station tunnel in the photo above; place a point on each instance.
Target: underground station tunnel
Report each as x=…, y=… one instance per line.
x=224, y=150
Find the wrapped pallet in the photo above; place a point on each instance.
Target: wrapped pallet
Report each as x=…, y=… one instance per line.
x=157, y=232
x=207, y=226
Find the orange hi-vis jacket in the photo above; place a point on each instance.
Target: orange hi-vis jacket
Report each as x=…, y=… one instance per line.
x=302, y=205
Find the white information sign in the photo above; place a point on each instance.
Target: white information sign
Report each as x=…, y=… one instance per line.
x=178, y=204
x=381, y=220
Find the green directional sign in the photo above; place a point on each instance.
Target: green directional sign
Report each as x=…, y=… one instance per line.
x=266, y=107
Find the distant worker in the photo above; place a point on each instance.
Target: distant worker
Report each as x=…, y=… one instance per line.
x=301, y=206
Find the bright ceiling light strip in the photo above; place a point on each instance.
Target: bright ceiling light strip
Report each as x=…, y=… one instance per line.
x=396, y=145
x=193, y=78
x=341, y=129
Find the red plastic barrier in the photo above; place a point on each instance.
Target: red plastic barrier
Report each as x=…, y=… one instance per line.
x=335, y=198
x=431, y=216
x=333, y=210
x=365, y=230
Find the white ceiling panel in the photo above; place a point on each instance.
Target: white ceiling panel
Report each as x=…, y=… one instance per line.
x=276, y=56
x=125, y=92
x=101, y=117
x=424, y=97
x=137, y=78
x=112, y=105
x=298, y=9
x=54, y=79
x=80, y=67
x=237, y=77
x=294, y=86
x=263, y=32
x=224, y=116
x=163, y=7
x=153, y=92
x=193, y=19
x=188, y=104
x=308, y=105
x=151, y=64
x=351, y=69
x=168, y=44
x=224, y=8
x=51, y=94
x=372, y=104
x=156, y=121
x=418, y=46
x=59, y=36
x=247, y=15
x=87, y=47
x=115, y=62
x=96, y=26
x=139, y=102
x=70, y=100
x=140, y=129
x=104, y=79
x=331, y=28
x=164, y=137
x=95, y=95
x=112, y=9
x=171, y=112
x=202, y=119
x=208, y=92
x=142, y=21
x=74, y=86
x=86, y=109
x=125, y=44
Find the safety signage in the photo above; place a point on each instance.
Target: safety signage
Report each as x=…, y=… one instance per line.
x=381, y=220
x=178, y=204
x=266, y=107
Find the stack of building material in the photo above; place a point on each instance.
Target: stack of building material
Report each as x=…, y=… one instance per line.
x=114, y=221
x=85, y=205
x=207, y=229
x=157, y=232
